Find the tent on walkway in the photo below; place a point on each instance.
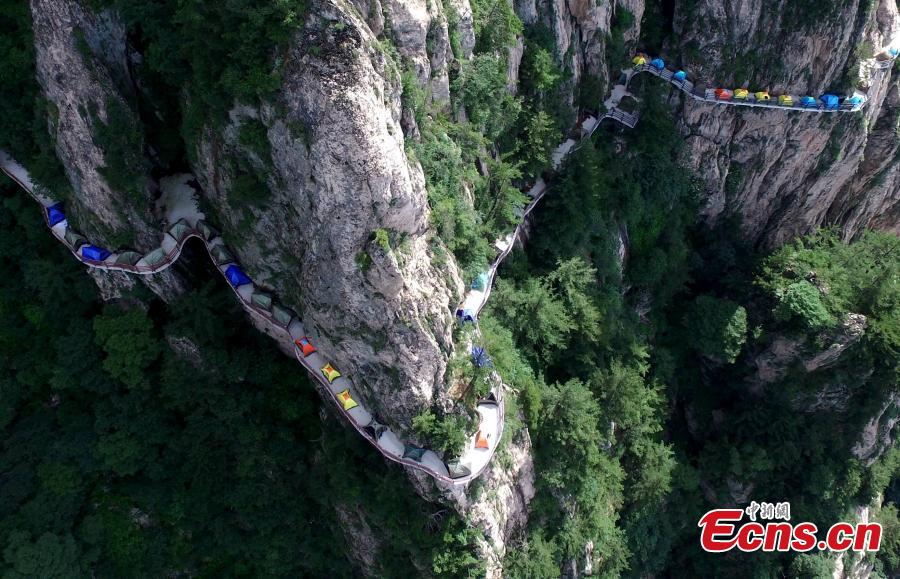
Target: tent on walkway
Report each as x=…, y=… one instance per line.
x=206, y=230
x=282, y=314
x=221, y=255
x=832, y=102
x=262, y=300
x=180, y=230
x=480, y=358
x=74, y=239
x=658, y=63
x=680, y=75
x=128, y=258
x=375, y=430
x=458, y=470
x=639, y=60
x=94, y=253
x=786, y=100
x=236, y=277
x=55, y=214
x=481, y=441
x=346, y=400
x=808, y=102
x=480, y=281
x=741, y=94
x=330, y=373
x=855, y=100
x=466, y=315
x=155, y=257
x=762, y=96
x=723, y=94
x=413, y=452
x=305, y=346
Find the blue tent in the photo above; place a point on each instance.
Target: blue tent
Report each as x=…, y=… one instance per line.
x=480, y=281
x=855, y=100
x=658, y=63
x=480, y=358
x=680, y=75
x=236, y=277
x=894, y=51
x=94, y=253
x=831, y=101
x=55, y=214
x=808, y=101
x=466, y=315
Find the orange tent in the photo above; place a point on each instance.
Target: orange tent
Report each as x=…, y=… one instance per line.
x=305, y=346
x=480, y=440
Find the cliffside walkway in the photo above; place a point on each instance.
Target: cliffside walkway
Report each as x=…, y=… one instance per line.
x=184, y=221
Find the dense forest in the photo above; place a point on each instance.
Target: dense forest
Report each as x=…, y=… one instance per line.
x=143, y=439
x=147, y=439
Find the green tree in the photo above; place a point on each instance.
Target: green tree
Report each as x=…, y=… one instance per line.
x=717, y=328
x=802, y=301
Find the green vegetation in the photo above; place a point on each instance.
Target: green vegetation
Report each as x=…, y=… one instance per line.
x=718, y=328
x=144, y=439
x=121, y=138
x=446, y=434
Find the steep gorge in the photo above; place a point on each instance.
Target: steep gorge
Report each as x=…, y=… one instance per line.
x=330, y=151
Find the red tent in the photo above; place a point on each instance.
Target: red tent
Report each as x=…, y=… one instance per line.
x=723, y=94
x=305, y=346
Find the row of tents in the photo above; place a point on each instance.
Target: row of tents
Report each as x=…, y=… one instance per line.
x=826, y=101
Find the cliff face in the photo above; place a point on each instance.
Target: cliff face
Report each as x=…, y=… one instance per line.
x=785, y=174
x=342, y=233
x=83, y=71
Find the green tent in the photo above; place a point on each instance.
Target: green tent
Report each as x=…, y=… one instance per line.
x=282, y=315
x=128, y=258
x=74, y=239
x=221, y=255
x=457, y=470
x=206, y=230
x=262, y=300
x=414, y=453
x=180, y=230
x=155, y=257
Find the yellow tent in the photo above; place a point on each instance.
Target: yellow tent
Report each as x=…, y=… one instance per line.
x=330, y=373
x=639, y=60
x=786, y=100
x=762, y=96
x=346, y=400
x=741, y=93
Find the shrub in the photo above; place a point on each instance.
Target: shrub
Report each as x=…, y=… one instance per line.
x=802, y=301
x=717, y=328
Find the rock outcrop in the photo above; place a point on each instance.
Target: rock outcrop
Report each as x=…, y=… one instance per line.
x=82, y=67
x=343, y=234
x=785, y=174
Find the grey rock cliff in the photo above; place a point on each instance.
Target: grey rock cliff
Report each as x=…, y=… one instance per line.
x=338, y=173
x=785, y=174
x=82, y=67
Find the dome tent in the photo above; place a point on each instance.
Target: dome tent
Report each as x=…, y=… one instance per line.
x=680, y=75
x=330, y=372
x=722, y=94
x=55, y=214
x=480, y=281
x=786, y=100
x=346, y=400
x=639, y=60
x=466, y=315
x=658, y=63
x=94, y=253
x=741, y=93
x=830, y=101
x=305, y=346
x=808, y=102
x=236, y=277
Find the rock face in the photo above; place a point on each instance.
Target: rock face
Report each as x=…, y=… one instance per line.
x=785, y=174
x=344, y=235
x=82, y=68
